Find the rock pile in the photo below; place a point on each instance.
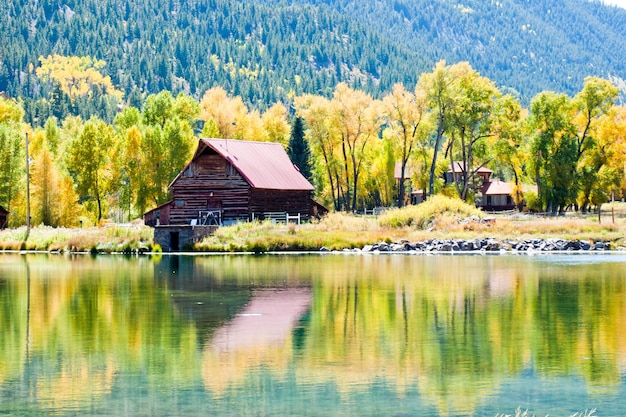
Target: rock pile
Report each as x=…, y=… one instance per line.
x=484, y=244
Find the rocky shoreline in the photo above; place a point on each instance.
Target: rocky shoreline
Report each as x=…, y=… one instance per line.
x=485, y=245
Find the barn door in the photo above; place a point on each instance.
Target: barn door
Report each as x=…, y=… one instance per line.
x=174, y=241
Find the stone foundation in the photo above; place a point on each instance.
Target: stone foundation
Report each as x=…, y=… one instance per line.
x=179, y=238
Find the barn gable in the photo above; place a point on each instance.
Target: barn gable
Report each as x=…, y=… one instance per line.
x=263, y=165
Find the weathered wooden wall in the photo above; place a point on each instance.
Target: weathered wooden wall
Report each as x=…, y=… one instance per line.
x=210, y=182
x=292, y=202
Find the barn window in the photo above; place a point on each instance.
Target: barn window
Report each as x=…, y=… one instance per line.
x=179, y=203
x=189, y=171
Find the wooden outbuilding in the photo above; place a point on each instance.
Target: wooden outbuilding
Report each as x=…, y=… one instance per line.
x=228, y=181
x=493, y=194
x=4, y=217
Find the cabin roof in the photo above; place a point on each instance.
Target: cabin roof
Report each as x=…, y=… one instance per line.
x=264, y=165
x=3, y=210
x=498, y=187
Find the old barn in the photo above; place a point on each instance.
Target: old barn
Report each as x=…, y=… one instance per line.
x=229, y=181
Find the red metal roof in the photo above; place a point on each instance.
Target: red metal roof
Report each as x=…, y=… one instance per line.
x=264, y=165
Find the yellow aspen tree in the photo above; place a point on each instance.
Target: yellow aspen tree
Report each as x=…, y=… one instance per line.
x=276, y=124
x=323, y=140
x=224, y=112
x=406, y=116
x=355, y=117
x=249, y=126
x=45, y=193
x=602, y=166
x=68, y=207
x=76, y=75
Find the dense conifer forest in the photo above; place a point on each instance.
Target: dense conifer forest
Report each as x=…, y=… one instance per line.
x=270, y=50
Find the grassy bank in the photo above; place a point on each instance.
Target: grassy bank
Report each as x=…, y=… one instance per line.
x=133, y=238
x=439, y=218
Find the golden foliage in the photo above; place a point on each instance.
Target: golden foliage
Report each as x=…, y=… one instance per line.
x=76, y=75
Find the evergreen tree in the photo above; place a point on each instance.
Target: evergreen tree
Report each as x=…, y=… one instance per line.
x=298, y=149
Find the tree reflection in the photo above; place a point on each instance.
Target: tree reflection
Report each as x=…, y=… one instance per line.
x=452, y=328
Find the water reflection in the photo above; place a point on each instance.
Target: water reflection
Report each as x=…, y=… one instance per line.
x=260, y=335
x=379, y=335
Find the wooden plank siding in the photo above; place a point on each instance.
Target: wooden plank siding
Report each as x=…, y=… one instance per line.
x=209, y=182
x=291, y=202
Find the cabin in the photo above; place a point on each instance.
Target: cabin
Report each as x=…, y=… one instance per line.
x=497, y=195
x=229, y=181
x=456, y=172
x=494, y=194
x=4, y=217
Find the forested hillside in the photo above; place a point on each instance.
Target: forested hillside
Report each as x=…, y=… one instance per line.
x=527, y=45
x=263, y=53
x=270, y=50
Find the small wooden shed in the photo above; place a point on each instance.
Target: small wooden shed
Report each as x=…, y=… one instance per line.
x=230, y=180
x=4, y=217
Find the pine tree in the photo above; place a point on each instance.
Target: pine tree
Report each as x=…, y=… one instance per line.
x=298, y=149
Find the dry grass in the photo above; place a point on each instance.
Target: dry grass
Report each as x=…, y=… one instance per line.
x=93, y=239
x=438, y=212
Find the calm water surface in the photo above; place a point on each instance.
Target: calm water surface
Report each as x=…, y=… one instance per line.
x=312, y=335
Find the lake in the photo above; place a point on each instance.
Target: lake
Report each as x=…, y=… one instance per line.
x=312, y=335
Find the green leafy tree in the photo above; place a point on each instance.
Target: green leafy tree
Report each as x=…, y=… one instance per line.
x=472, y=123
x=510, y=150
x=158, y=108
x=166, y=146
x=89, y=162
x=11, y=165
x=554, y=150
x=11, y=153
